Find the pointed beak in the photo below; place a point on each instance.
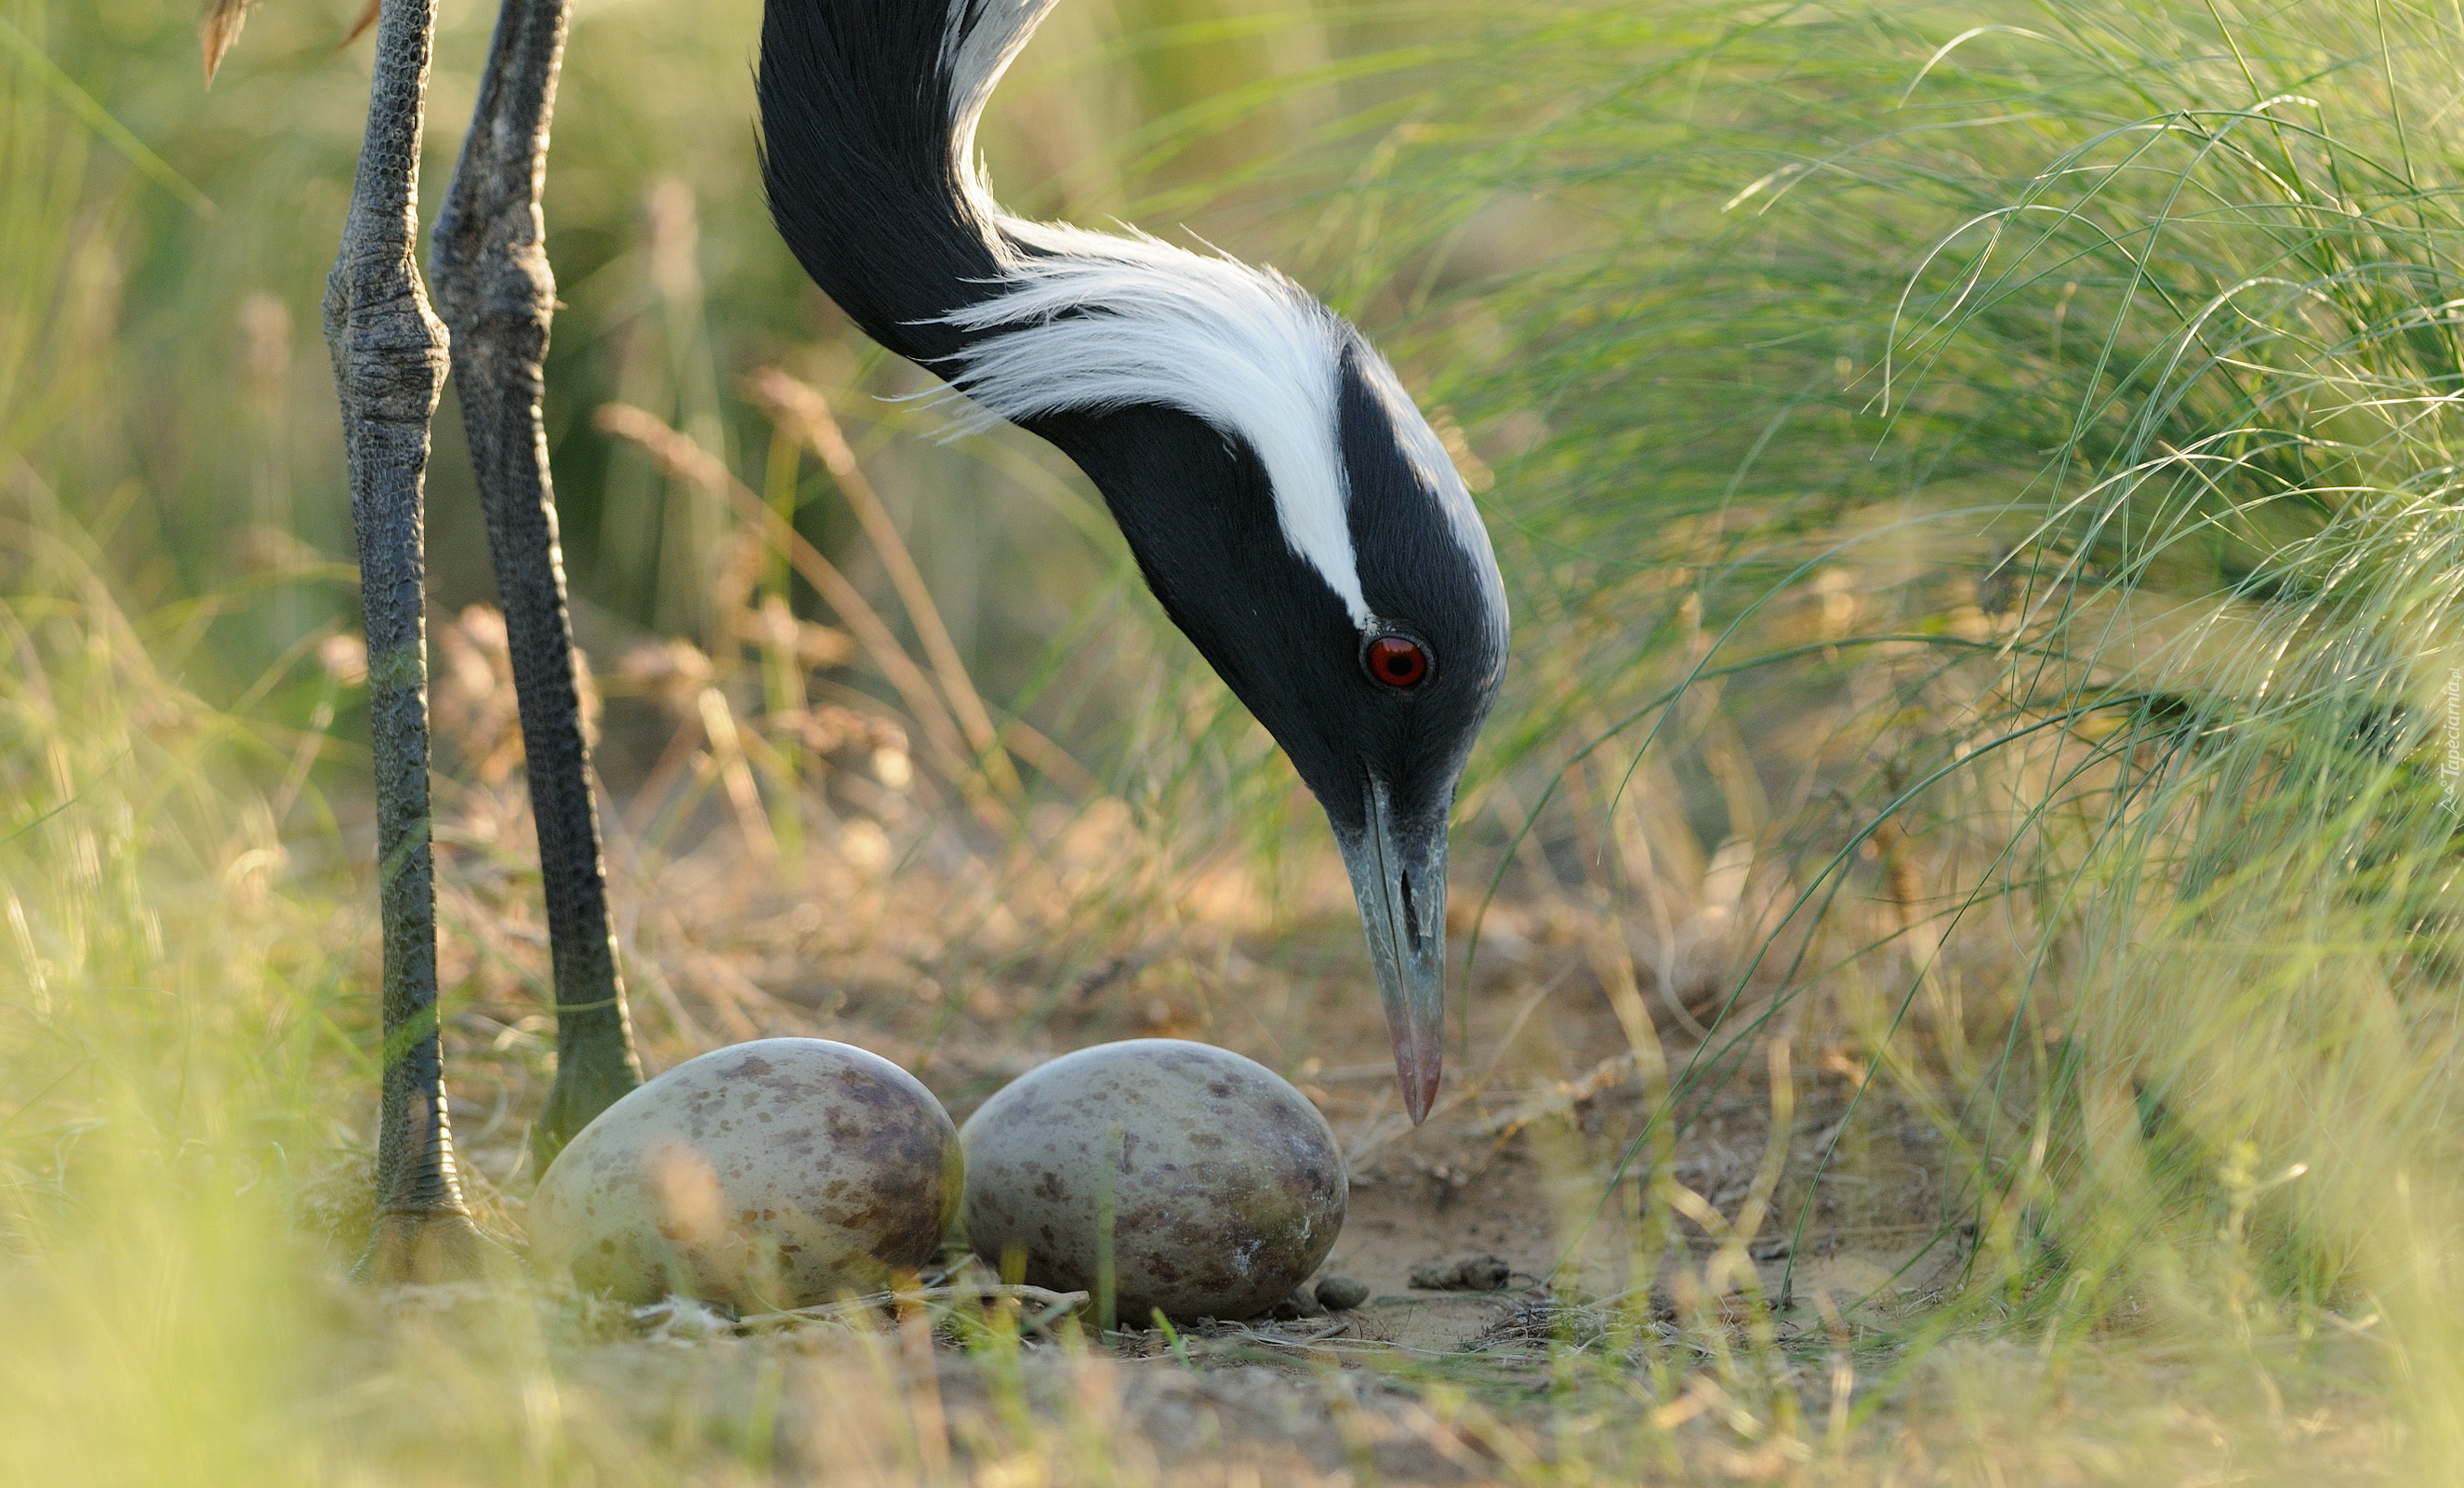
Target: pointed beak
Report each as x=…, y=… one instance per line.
x=1398, y=875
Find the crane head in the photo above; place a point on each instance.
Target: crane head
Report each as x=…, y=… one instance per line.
x=1285, y=501
x=1371, y=647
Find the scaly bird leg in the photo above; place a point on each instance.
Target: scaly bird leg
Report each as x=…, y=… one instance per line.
x=496, y=293
x=388, y=365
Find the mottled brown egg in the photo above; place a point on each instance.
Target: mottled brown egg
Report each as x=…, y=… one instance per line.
x=778, y=1173
x=1224, y=1187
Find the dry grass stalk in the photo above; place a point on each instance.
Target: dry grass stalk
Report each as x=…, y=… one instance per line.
x=803, y=408
x=680, y=456
x=218, y=25
x=727, y=753
x=367, y=18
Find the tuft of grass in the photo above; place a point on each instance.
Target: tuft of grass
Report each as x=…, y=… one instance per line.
x=2043, y=418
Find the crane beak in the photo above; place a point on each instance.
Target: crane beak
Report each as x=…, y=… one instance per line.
x=1398, y=875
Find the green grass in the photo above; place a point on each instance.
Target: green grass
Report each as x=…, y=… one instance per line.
x=1979, y=489
x=2140, y=318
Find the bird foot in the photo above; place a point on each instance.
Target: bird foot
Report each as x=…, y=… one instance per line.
x=580, y=1091
x=425, y=1249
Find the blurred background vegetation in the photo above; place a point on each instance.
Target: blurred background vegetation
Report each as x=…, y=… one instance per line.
x=1978, y=488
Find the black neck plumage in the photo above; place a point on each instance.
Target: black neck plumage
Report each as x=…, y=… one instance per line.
x=861, y=166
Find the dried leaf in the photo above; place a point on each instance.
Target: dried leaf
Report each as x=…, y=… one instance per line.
x=360, y=27
x=218, y=25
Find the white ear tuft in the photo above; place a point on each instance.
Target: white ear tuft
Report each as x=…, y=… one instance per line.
x=1087, y=321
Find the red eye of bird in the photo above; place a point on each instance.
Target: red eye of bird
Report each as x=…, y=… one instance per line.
x=1398, y=661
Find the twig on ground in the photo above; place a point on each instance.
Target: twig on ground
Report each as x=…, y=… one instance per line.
x=1054, y=1304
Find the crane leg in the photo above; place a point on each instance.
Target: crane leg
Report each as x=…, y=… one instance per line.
x=389, y=359
x=496, y=291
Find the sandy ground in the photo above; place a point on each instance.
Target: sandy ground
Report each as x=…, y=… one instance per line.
x=971, y=971
x=972, y=974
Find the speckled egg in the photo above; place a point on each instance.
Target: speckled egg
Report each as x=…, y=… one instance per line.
x=1224, y=1185
x=778, y=1173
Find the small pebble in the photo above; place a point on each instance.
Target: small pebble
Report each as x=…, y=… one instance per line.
x=1296, y=1307
x=1341, y=1294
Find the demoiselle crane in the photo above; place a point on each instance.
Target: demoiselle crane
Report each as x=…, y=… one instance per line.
x=1286, y=502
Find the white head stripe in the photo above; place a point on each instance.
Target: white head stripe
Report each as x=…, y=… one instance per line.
x=1428, y=455
x=1090, y=321
x=1243, y=350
